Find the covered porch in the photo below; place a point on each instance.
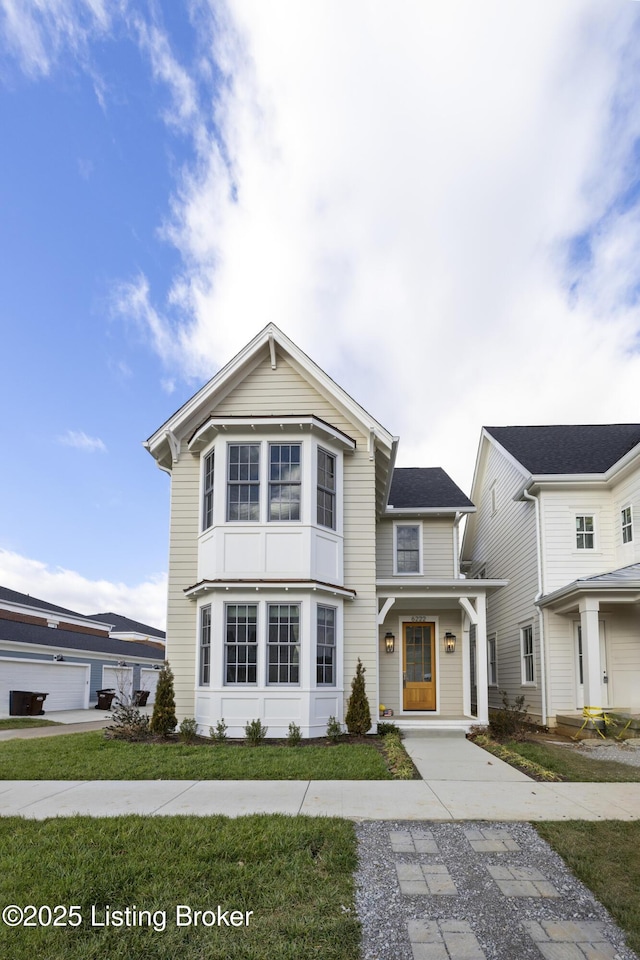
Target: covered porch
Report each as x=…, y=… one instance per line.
x=432, y=654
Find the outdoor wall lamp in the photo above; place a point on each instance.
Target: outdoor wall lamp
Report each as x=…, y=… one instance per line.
x=58, y=657
x=389, y=642
x=121, y=663
x=449, y=642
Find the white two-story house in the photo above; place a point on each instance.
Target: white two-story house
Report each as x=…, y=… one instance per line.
x=296, y=548
x=558, y=509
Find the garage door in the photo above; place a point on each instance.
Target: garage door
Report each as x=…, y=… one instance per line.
x=67, y=684
x=149, y=681
x=119, y=679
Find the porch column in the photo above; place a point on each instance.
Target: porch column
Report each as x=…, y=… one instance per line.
x=481, y=659
x=591, y=666
x=466, y=666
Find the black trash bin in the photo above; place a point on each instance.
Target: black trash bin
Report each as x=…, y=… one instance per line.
x=105, y=699
x=26, y=703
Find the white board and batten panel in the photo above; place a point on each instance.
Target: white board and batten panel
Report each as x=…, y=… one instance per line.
x=66, y=684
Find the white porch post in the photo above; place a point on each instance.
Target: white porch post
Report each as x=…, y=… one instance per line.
x=466, y=666
x=591, y=666
x=481, y=659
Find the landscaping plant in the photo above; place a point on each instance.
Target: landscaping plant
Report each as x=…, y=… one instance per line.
x=164, y=720
x=127, y=723
x=358, y=718
x=294, y=736
x=334, y=729
x=255, y=732
x=188, y=730
x=512, y=722
x=219, y=733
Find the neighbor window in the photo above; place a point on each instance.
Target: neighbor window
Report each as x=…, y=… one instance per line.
x=283, y=643
x=407, y=548
x=241, y=645
x=326, y=647
x=326, y=489
x=284, y=481
x=526, y=644
x=207, y=492
x=492, y=661
x=243, y=482
x=584, y=532
x=205, y=646
x=627, y=525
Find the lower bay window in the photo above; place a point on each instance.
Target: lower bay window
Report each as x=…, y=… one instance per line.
x=326, y=647
x=283, y=643
x=241, y=643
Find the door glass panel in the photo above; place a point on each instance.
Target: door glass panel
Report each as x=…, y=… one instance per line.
x=418, y=654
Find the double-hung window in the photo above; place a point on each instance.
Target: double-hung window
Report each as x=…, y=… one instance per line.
x=585, y=532
x=207, y=492
x=407, y=548
x=283, y=643
x=205, y=646
x=627, y=524
x=243, y=482
x=326, y=489
x=492, y=661
x=326, y=647
x=241, y=645
x=526, y=647
x=284, y=481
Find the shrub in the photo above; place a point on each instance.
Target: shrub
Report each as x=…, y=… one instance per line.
x=127, y=723
x=219, y=733
x=386, y=728
x=358, y=718
x=188, y=730
x=512, y=721
x=164, y=720
x=294, y=736
x=400, y=762
x=255, y=732
x=334, y=729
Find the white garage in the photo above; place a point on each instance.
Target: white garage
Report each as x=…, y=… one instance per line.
x=149, y=681
x=67, y=684
x=119, y=679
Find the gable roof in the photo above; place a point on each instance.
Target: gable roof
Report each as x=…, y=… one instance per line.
x=126, y=625
x=430, y=488
x=567, y=449
x=18, y=632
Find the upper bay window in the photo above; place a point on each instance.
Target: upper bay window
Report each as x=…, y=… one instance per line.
x=207, y=492
x=585, y=532
x=326, y=489
x=285, y=476
x=407, y=548
x=243, y=482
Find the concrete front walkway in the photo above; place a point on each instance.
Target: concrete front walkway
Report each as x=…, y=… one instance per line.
x=461, y=782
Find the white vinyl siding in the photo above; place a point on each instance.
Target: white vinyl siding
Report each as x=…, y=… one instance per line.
x=436, y=545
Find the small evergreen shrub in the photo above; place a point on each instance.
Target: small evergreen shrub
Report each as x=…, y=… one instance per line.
x=512, y=722
x=358, y=718
x=255, y=732
x=334, y=729
x=127, y=723
x=386, y=728
x=219, y=733
x=188, y=730
x=164, y=720
x=294, y=736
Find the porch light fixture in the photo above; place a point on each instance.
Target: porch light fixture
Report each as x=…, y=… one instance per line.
x=449, y=642
x=389, y=642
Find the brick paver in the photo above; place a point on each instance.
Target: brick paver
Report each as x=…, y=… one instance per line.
x=570, y=940
x=424, y=879
x=489, y=840
x=413, y=841
x=443, y=940
x=522, y=882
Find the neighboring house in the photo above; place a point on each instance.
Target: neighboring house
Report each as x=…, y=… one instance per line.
x=123, y=628
x=49, y=649
x=296, y=548
x=558, y=511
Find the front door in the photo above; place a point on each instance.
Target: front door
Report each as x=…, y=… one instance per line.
x=419, y=666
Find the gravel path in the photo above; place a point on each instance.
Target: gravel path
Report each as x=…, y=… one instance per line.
x=620, y=752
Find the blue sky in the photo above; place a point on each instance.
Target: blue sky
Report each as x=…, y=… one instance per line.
x=438, y=202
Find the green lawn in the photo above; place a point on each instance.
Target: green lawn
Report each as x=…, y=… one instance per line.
x=90, y=756
x=18, y=723
x=605, y=857
x=294, y=873
x=572, y=764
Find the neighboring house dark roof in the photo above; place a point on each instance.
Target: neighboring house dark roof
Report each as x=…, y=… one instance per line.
x=13, y=596
x=429, y=487
x=52, y=637
x=125, y=624
x=576, y=448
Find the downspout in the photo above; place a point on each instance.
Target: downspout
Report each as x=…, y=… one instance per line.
x=456, y=544
x=538, y=597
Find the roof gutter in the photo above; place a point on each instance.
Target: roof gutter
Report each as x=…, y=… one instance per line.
x=543, y=660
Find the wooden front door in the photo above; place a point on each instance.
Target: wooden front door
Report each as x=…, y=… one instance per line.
x=419, y=666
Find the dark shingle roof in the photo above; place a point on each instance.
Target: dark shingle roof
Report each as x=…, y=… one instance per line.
x=13, y=596
x=125, y=624
x=123, y=649
x=581, y=448
x=428, y=487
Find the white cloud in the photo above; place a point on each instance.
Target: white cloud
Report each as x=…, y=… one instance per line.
x=80, y=440
x=145, y=602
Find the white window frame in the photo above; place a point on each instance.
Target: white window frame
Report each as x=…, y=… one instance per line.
x=492, y=661
x=577, y=532
x=204, y=645
x=326, y=490
x=527, y=658
x=407, y=573
x=321, y=641
x=208, y=492
x=244, y=643
x=231, y=484
x=285, y=483
x=278, y=645
x=626, y=524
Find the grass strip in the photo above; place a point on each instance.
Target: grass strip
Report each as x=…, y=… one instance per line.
x=604, y=856
x=570, y=763
x=511, y=756
x=294, y=873
x=90, y=756
x=19, y=723
x=400, y=763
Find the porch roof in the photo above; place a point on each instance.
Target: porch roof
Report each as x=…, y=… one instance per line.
x=615, y=586
x=436, y=588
